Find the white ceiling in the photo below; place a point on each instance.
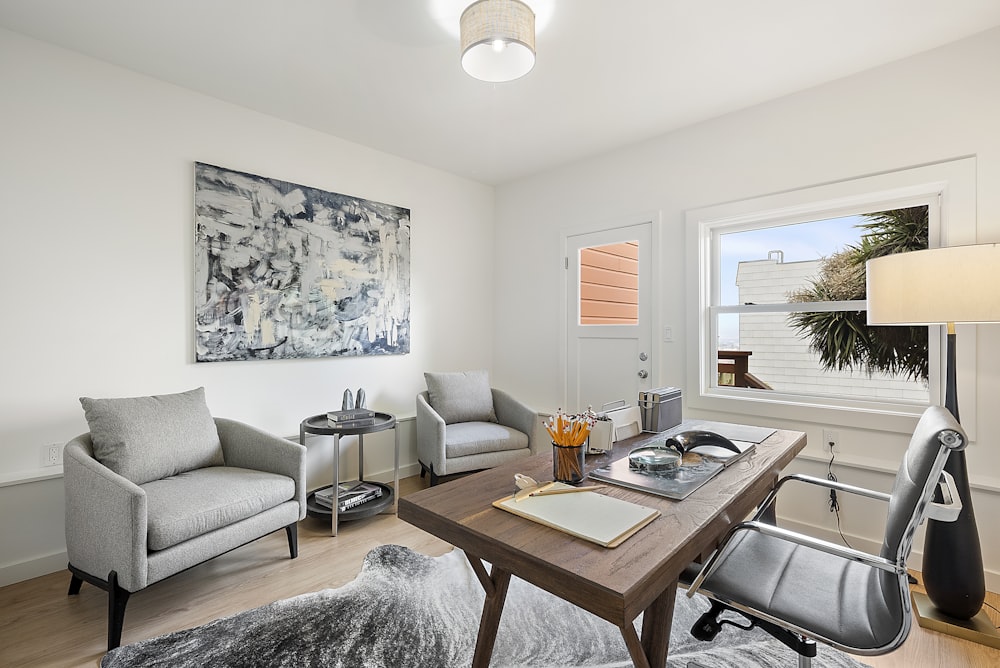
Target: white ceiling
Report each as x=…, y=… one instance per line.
x=386, y=73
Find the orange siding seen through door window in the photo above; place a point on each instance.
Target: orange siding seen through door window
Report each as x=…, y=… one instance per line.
x=609, y=284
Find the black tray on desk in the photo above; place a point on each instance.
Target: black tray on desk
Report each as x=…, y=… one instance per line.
x=367, y=509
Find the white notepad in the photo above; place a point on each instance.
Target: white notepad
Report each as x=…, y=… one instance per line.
x=596, y=517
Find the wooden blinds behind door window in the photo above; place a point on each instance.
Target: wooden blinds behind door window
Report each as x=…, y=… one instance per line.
x=609, y=284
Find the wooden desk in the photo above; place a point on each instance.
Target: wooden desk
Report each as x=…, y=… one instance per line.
x=615, y=584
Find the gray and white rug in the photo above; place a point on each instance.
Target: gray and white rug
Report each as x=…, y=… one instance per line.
x=407, y=609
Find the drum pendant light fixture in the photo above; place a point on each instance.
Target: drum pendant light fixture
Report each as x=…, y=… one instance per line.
x=498, y=40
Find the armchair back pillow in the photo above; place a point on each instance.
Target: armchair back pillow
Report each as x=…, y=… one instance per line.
x=463, y=396
x=149, y=438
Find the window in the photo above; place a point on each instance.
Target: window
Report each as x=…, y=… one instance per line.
x=792, y=319
x=779, y=317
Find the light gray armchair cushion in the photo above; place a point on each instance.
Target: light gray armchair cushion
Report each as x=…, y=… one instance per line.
x=462, y=396
x=197, y=502
x=248, y=447
x=475, y=438
x=148, y=438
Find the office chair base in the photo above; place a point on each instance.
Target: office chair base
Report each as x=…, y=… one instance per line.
x=979, y=629
x=709, y=624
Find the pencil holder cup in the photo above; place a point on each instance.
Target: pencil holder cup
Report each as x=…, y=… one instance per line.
x=567, y=463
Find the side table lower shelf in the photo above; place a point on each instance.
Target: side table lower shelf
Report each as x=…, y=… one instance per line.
x=366, y=509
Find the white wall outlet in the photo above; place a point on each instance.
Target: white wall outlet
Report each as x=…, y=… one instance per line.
x=52, y=454
x=668, y=334
x=831, y=440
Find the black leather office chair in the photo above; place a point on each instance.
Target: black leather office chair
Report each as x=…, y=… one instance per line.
x=801, y=589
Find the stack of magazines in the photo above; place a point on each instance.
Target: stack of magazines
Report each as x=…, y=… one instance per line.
x=350, y=495
x=351, y=419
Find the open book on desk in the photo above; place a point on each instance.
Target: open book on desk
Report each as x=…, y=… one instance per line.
x=598, y=518
x=698, y=465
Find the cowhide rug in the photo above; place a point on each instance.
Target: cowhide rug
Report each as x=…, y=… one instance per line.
x=407, y=609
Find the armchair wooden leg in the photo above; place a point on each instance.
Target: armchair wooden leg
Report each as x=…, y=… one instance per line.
x=117, y=599
x=74, y=585
x=428, y=469
x=292, y=531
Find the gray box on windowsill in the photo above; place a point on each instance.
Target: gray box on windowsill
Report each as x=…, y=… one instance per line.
x=661, y=408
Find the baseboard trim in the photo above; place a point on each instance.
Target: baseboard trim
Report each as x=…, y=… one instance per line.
x=55, y=562
x=34, y=568
x=405, y=471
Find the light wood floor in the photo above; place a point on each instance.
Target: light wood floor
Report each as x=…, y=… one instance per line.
x=41, y=626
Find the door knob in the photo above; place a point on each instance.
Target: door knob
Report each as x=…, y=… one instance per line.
x=643, y=357
x=643, y=373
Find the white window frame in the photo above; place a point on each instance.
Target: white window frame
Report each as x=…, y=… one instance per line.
x=947, y=188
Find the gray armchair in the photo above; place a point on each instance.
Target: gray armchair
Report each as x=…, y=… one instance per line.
x=801, y=589
x=465, y=425
x=158, y=486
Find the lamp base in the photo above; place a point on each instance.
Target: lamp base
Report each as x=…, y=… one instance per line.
x=979, y=629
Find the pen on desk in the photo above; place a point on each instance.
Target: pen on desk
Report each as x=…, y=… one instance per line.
x=567, y=490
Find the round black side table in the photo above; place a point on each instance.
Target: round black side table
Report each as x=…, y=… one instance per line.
x=320, y=425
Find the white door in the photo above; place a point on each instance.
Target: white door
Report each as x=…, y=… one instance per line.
x=609, y=328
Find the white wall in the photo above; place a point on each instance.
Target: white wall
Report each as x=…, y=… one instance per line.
x=932, y=107
x=96, y=171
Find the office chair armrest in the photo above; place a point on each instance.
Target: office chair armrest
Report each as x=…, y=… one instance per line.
x=792, y=537
x=950, y=507
x=819, y=482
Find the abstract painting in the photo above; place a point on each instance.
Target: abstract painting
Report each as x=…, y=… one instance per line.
x=287, y=271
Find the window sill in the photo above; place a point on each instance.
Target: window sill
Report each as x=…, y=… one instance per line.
x=896, y=418
x=31, y=475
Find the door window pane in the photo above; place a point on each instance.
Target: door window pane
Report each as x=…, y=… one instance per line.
x=609, y=284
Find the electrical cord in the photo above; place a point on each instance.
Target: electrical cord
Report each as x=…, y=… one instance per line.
x=835, y=508
x=992, y=607
x=834, y=503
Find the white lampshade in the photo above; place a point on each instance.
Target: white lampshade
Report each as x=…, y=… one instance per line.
x=958, y=284
x=498, y=40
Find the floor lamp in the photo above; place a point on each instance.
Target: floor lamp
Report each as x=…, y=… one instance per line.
x=958, y=284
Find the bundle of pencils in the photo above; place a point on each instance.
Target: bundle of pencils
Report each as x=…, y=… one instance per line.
x=570, y=430
x=569, y=433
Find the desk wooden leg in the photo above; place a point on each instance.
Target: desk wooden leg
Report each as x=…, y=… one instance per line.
x=639, y=659
x=651, y=652
x=496, y=593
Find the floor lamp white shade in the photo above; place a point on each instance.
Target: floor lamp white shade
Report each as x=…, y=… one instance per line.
x=957, y=284
x=498, y=40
